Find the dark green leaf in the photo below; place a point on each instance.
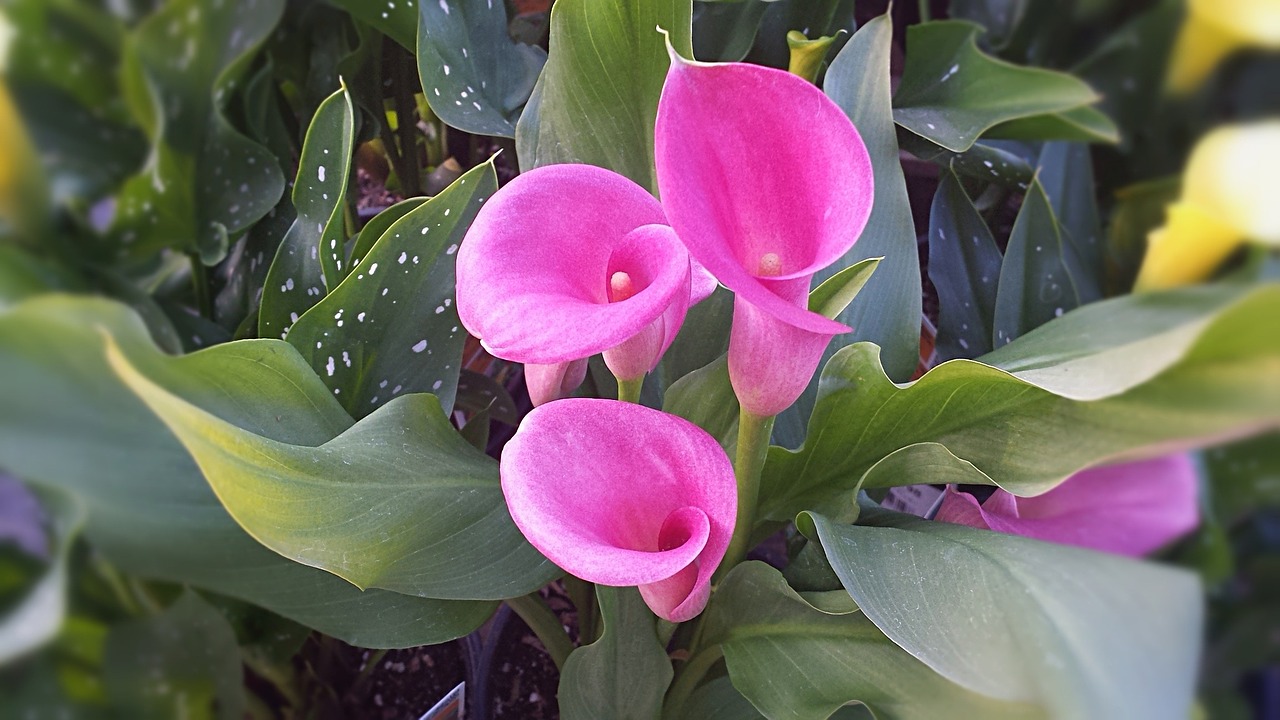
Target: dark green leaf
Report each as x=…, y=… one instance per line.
x=725, y=31
x=1038, y=276
x=1066, y=174
x=474, y=76
x=964, y=265
x=1244, y=478
x=705, y=398
x=391, y=326
x=310, y=260
x=396, y=20
x=597, y=99
x=625, y=673
x=952, y=93
x=182, y=663
x=949, y=595
x=205, y=182
x=1126, y=378
x=68, y=422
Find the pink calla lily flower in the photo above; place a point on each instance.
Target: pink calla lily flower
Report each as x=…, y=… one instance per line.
x=767, y=182
x=567, y=261
x=620, y=494
x=1129, y=509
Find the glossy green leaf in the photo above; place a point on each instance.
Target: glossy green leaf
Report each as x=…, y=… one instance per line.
x=1083, y=124
x=952, y=93
x=625, y=673
x=887, y=312
x=396, y=20
x=1132, y=377
x=719, y=700
x=182, y=663
x=964, y=265
x=1038, y=276
x=1088, y=625
x=309, y=261
x=475, y=77
x=37, y=618
x=597, y=99
x=205, y=182
x=1244, y=478
x=794, y=660
x=391, y=327
x=703, y=337
x=987, y=160
x=725, y=31
x=705, y=398
x=68, y=422
x=399, y=501
x=378, y=225
x=477, y=392
x=814, y=18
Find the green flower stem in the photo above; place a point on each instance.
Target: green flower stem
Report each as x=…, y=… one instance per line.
x=629, y=390
x=543, y=622
x=754, y=432
x=688, y=679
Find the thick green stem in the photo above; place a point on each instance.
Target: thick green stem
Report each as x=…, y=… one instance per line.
x=629, y=390
x=543, y=622
x=688, y=679
x=753, y=445
x=925, y=13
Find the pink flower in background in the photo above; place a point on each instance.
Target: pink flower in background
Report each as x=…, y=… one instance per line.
x=766, y=182
x=1129, y=509
x=567, y=261
x=619, y=494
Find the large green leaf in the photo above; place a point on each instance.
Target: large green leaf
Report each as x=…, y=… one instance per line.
x=887, y=312
x=182, y=663
x=625, y=673
x=39, y=615
x=964, y=265
x=705, y=398
x=391, y=326
x=396, y=20
x=204, y=182
x=1080, y=633
x=597, y=99
x=952, y=93
x=1125, y=378
x=1066, y=173
x=399, y=501
x=1038, y=275
x=725, y=31
x=309, y=260
x=792, y=659
x=67, y=421
x=475, y=77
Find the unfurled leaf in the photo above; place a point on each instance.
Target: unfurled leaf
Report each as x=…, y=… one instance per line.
x=1120, y=379
x=398, y=501
x=69, y=422
x=949, y=595
x=952, y=93
x=391, y=327
x=597, y=98
x=792, y=659
x=309, y=261
x=474, y=76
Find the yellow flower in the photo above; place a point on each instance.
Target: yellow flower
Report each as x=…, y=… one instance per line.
x=1228, y=197
x=1216, y=28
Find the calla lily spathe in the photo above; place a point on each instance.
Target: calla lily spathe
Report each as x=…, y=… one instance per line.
x=1228, y=198
x=620, y=494
x=1128, y=509
x=1213, y=30
x=567, y=261
x=766, y=181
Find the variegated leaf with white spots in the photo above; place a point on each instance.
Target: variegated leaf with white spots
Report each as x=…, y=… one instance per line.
x=310, y=257
x=474, y=76
x=391, y=327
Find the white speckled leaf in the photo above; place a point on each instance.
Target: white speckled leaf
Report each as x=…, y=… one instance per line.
x=391, y=327
x=310, y=258
x=473, y=75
